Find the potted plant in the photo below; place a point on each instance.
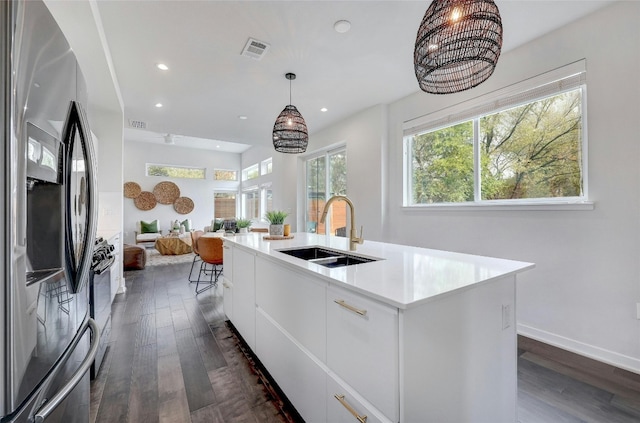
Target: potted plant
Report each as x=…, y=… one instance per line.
x=243, y=225
x=276, y=222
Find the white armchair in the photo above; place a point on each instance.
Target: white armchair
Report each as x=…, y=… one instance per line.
x=147, y=231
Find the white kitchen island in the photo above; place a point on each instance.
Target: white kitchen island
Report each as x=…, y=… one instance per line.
x=418, y=336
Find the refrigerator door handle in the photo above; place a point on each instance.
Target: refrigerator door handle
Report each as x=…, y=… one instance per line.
x=80, y=239
x=55, y=401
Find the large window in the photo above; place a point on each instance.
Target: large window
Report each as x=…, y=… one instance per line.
x=251, y=203
x=326, y=176
x=532, y=151
x=174, y=171
x=267, y=199
x=224, y=206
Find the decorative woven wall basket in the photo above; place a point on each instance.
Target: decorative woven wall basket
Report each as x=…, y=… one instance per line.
x=166, y=192
x=132, y=190
x=183, y=205
x=145, y=201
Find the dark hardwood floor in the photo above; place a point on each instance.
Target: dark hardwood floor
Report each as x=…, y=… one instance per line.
x=171, y=358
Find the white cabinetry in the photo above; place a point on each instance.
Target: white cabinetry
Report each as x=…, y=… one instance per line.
x=291, y=335
x=295, y=371
x=346, y=406
x=117, y=263
x=244, y=294
x=362, y=347
x=458, y=357
x=227, y=280
x=340, y=354
x=296, y=302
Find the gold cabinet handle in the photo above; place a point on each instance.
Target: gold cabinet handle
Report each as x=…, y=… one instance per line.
x=345, y=404
x=360, y=311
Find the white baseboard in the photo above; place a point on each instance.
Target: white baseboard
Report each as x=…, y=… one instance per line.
x=615, y=359
x=122, y=287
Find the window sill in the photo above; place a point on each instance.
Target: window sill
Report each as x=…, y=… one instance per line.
x=501, y=206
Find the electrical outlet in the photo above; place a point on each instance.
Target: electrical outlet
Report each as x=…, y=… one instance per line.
x=506, y=316
x=638, y=311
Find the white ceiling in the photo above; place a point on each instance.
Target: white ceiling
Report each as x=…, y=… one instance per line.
x=209, y=84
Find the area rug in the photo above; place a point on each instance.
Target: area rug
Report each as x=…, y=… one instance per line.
x=154, y=258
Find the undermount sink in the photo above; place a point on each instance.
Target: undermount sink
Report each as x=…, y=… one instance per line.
x=327, y=257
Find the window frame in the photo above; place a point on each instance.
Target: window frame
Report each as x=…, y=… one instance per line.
x=264, y=200
x=326, y=154
x=251, y=189
x=568, y=78
x=225, y=170
x=245, y=172
x=147, y=165
x=223, y=191
x=266, y=166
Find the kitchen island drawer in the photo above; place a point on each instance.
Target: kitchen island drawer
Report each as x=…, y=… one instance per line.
x=295, y=371
x=345, y=406
x=362, y=347
x=295, y=301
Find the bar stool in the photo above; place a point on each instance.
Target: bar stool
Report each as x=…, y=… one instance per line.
x=210, y=251
x=195, y=235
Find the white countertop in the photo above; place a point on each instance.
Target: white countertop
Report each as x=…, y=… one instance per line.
x=406, y=277
x=107, y=234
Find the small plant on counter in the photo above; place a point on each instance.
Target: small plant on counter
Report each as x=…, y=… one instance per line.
x=276, y=217
x=243, y=223
x=276, y=220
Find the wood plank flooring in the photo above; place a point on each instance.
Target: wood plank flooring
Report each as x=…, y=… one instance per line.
x=171, y=358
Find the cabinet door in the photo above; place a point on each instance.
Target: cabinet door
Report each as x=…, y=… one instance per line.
x=345, y=406
x=244, y=295
x=296, y=373
x=227, y=258
x=296, y=302
x=115, y=267
x=227, y=298
x=362, y=347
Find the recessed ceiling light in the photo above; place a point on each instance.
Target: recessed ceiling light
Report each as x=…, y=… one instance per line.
x=158, y=105
x=242, y=117
x=324, y=109
x=217, y=146
x=342, y=26
x=162, y=66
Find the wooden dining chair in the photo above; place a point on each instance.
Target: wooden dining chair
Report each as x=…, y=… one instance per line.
x=210, y=251
x=195, y=235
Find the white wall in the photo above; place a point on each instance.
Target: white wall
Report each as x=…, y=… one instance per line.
x=364, y=135
x=582, y=295
x=110, y=169
x=284, y=189
x=137, y=154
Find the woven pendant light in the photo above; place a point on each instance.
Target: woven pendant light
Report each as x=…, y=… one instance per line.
x=458, y=45
x=290, y=133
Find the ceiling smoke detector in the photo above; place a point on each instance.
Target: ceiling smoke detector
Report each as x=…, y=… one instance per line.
x=255, y=49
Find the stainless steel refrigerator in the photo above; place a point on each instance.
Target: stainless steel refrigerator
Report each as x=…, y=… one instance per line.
x=47, y=341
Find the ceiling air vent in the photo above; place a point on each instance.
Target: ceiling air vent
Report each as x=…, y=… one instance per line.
x=138, y=124
x=255, y=49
